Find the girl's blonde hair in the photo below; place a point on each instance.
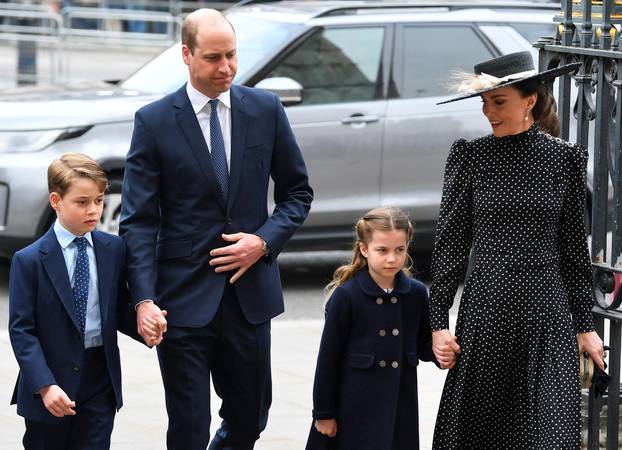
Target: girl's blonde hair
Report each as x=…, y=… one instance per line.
x=379, y=219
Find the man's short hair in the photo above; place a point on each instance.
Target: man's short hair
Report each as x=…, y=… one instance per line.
x=189, y=29
x=64, y=171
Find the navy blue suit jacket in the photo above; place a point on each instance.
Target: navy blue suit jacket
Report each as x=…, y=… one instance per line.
x=173, y=212
x=43, y=324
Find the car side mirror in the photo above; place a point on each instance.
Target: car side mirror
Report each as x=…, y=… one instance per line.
x=288, y=90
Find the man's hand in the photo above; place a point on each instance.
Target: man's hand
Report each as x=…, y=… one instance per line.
x=245, y=252
x=56, y=401
x=445, y=347
x=327, y=427
x=592, y=344
x=151, y=322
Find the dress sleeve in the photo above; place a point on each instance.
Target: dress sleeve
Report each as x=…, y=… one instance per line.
x=454, y=234
x=575, y=264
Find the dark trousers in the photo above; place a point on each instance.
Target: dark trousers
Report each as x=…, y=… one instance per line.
x=237, y=355
x=91, y=427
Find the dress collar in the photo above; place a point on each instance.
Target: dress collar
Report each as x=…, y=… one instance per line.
x=527, y=135
x=66, y=237
x=369, y=286
x=199, y=99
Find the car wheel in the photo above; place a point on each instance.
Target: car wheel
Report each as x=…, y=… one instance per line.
x=109, y=221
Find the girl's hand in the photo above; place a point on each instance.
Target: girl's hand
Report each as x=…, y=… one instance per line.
x=445, y=346
x=592, y=344
x=327, y=427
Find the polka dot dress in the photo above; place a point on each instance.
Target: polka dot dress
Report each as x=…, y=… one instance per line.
x=518, y=201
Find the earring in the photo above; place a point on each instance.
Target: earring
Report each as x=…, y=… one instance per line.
x=527, y=114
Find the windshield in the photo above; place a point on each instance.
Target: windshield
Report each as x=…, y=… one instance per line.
x=257, y=38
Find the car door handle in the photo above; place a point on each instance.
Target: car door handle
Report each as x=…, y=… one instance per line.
x=360, y=118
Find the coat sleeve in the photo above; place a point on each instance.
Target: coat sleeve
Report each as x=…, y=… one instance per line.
x=23, y=325
x=292, y=193
x=454, y=235
x=140, y=214
x=424, y=337
x=126, y=314
x=575, y=264
x=330, y=357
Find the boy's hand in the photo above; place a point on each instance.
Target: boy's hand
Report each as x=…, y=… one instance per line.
x=445, y=347
x=56, y=401
x=148, y=309
x=327, y=427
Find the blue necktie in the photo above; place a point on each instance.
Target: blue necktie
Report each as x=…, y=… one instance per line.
x=217, y=145
x=81, y=281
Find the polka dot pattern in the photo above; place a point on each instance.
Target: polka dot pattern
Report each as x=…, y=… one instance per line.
x=518, y=202
x=81, y=281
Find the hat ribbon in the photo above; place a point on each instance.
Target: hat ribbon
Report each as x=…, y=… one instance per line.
x=485, y=81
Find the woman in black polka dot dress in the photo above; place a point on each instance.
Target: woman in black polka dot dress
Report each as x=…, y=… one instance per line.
x=516, y=198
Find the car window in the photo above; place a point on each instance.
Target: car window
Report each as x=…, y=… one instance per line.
x=431, y=54
x=336, y=65
x=533, y=31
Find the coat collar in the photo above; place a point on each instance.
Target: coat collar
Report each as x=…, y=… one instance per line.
x=369, y=286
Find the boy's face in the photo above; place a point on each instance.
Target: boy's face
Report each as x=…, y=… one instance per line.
x=80, y=209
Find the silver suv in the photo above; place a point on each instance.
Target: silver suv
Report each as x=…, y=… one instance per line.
x=360, y=81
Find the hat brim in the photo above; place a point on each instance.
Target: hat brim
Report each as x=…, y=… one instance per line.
x=547, y=75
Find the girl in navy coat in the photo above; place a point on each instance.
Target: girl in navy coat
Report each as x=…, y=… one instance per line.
x=376, y=331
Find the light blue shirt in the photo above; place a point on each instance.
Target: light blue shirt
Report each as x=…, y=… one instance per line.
x=92, y=327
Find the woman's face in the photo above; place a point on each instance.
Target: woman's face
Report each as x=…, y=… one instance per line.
x=506, y=109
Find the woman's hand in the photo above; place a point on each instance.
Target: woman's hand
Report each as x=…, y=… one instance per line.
x=445, y=347
x=327, y=427
x=592, y=344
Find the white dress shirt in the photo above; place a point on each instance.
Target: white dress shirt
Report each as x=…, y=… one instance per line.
x=203, y=110
x=92, y=327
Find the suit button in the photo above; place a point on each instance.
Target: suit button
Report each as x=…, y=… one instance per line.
x=394, y=300
x=395, y=364
x=229, y=221
x=379, y=301
x=76, y=368
x=382, y=333
x=395, y=332
x=382, y=363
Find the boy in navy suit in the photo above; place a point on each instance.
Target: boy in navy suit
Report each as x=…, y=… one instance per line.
x=66, y=301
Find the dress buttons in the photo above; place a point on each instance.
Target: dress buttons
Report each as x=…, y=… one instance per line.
x=379, y=301
x=394, y=300
x=395, y=364
x=395, y=332
x=382, y=333
x=382, y=363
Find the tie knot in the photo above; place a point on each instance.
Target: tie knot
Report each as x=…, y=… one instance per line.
x=81, y=243
x=214, y=102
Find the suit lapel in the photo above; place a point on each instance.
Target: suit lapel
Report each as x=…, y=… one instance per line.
x=238, y=141
x=54, y=264
x=105, y=269
x=187, y=120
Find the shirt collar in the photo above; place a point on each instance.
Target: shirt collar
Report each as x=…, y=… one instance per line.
x=199, y=99
x=66, y=237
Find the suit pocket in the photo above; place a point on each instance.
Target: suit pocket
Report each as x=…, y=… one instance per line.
x=361, y=361
x=172, y=250
x=412, y=358
x=255, y=151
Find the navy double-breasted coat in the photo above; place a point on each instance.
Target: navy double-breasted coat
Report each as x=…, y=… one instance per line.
x=366, y=374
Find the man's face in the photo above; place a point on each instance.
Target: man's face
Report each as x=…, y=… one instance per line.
x=213, y=63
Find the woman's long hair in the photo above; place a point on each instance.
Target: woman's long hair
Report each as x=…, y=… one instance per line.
x=379, y=219
x=545, y=110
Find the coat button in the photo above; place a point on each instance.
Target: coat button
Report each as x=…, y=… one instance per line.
x=395, y=332
x=382, y=363
x=379, y=301
x=229, y=221
x=382, y=333
x=394, y=300
x=76, y=368
x=395, y=364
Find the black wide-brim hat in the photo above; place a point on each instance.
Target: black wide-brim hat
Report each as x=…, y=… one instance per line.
x=504, y=71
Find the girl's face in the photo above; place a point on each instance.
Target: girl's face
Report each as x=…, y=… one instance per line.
x=386, y=254
x=506, y=109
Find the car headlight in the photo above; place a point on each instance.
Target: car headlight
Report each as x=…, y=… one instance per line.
x=34, y=141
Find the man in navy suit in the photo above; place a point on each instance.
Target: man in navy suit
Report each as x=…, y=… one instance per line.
x=67, y=298
x=201, y=244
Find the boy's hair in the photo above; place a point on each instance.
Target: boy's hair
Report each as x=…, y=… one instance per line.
x=64, y=170
x=379, y=219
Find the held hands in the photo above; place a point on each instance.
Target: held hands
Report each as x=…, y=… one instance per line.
x=592, y=344
x=56, y=401
x=327, y=427
x=445, y=347
x=151, y=322
x=246, y=251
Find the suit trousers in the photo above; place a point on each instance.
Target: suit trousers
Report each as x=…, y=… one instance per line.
x=91, y=427
x=236, y=354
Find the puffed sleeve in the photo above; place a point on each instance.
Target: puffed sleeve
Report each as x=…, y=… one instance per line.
x=334, y=338
x=454, y=234
x=575, y=265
